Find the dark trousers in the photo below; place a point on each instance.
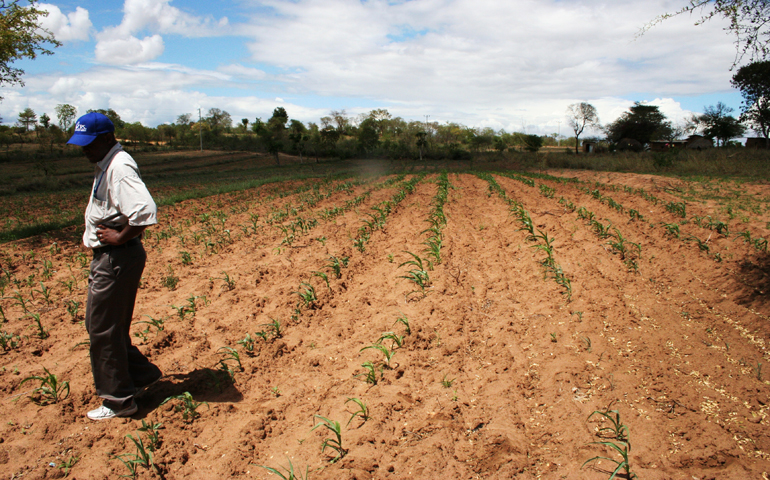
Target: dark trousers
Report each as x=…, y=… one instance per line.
x=119, y=368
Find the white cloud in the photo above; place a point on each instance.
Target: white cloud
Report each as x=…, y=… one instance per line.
x=488, y=56
x=158, y=16
x=514, y=65
x=65, y=28
x=118, y=45
x=130, y=50
x=247, y=73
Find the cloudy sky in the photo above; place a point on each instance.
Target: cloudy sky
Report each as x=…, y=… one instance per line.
x=515, y=64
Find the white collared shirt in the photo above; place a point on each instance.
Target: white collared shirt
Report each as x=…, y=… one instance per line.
x=117, y=189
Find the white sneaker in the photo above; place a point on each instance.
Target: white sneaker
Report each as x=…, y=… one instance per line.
x=105, y=413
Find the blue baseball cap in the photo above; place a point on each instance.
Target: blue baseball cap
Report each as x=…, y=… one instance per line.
x=89, y=126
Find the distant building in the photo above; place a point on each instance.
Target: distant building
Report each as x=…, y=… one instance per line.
x=693, y=142
x=664, y=145
x=758, y=143
x=697, y=142
x=630, y=144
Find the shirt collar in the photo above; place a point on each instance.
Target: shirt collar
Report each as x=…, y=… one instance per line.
x=105, y=162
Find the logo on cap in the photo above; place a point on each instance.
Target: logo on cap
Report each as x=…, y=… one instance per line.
x=79, y=127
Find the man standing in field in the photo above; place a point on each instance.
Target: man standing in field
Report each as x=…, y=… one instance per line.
x=119, y=210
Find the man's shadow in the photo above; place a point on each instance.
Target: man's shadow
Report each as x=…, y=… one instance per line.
x=204, y=384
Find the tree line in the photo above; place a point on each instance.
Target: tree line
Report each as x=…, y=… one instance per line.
x=379, y=134
x=642, y=123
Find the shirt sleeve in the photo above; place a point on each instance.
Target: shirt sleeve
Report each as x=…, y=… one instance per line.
x=134, y=201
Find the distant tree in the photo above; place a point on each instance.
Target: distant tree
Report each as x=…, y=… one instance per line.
x=422, y=141
x=279, y=119
x=533, y=143
x=166, y=133
x=298, y=136
x=27, y=118
x=339, y=117
x=136, y=132
x=718, y=123
x=368, y=136
x=642, y=123
x=66, y=114
x=21, y=37
x=753, y=81
x=749, y=21
x=45, y=121
x=329, y=137
x=112, y=115
x=579, y=116
x=184, y=119
x=273, y=133
x=499, y=143
x=219, y=119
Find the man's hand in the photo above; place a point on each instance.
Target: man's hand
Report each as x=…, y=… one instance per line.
x=111, y=236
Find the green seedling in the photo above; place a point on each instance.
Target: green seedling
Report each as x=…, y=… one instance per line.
x=702, y=244
x=447, y=383
x=333, y=443
x=21, y=301
x=276, y=391
x=620, y=245
x=9, y=341
x=229, y=354
x=323, y=277
x=289, y=471
x=186, y=258
x=41, y=332
x=247, y=344
x=398, y=340
x=170, y=281
x=619, y=433
x=51, y=390
x=601, y=230
x=153, y=434
x=672, y=229
x=585, y=214
x=307, y=296
x=388, y=354
x=586, y=344
x=363, y=410
x=229, y=282
x=153, y=322
x=69, y=284
x=371, y=373
x=192, y=303
x=72, y=306
x=417, y=275
x=404, y=321
x=553, y=338
x=45, y=292
x=67, y=465
x=275, y=326
x=142, y=457
x=181, y=311
x=188, y=406
x=337, y=264
x=677, y=208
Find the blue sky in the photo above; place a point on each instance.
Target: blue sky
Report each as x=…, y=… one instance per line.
x=514, y=65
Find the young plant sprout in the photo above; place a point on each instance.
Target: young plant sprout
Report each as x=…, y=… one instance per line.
x=51, y=390
x=363, y=410
x=333, y=443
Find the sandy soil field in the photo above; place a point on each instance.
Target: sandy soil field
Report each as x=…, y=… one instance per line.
x=500, y=312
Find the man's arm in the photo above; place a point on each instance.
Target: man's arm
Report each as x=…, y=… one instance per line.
x=110, y=236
